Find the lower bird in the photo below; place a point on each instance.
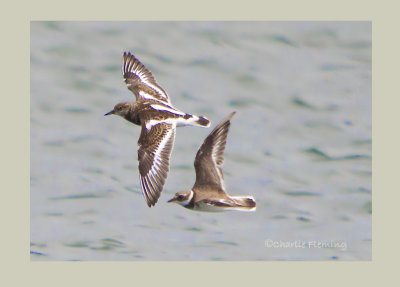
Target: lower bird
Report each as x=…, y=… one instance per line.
x=208, y=192
x=154, y=112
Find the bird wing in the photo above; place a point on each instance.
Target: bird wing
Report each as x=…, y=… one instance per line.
x=210, y=157
x=140, y=81
x=155, y=145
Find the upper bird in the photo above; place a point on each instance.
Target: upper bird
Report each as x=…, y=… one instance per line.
x=154, y=112
x=208, y=192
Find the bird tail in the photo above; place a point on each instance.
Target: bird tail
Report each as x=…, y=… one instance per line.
x=244, y=203
x=193, y=120
x=202, y=121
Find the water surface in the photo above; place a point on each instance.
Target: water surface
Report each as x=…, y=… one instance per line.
x=300, y=142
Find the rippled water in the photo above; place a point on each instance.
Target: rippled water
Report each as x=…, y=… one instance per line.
x=300, y=142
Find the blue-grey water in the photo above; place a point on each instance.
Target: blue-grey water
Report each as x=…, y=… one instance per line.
x=300, y=142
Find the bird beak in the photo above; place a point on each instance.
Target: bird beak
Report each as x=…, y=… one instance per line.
x=110, y=113
x=172, y=199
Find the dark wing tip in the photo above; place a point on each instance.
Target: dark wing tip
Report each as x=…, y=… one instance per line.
x=210, y=156
x=152, y=188
x=222, y=125
x=134, y=73
x=229, y=116
x=128, y=55
x=131, y=64
x=153, y=183
x=216, y=140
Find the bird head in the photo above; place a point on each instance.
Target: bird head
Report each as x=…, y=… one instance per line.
x=120, y=109
x=183, y=197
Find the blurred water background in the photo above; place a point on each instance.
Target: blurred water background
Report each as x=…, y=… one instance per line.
x=300, y=142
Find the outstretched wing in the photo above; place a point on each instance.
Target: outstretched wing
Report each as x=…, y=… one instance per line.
x=140, y=80
x=155, y=146
x=210, y=157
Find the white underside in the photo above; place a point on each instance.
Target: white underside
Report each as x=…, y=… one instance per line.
x=201, y=206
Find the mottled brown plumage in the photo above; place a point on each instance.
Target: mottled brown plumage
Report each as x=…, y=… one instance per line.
x=158, y=118
x=153, y=161
x=141, y=79
x=208, y=192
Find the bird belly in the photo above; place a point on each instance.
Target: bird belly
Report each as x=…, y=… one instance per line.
x=206, y=207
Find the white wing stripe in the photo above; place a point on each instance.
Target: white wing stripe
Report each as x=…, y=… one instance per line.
x=164, y=108
x=170, y=121
x=151, y=123
x=148, y=96
x=157, y=157
x=160, y=92
x=144, y=79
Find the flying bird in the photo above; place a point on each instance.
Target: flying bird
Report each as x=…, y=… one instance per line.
x=208, y=192
x=158, y=119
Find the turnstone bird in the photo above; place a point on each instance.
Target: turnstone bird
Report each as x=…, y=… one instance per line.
x=208, y=192
x=154, y=112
